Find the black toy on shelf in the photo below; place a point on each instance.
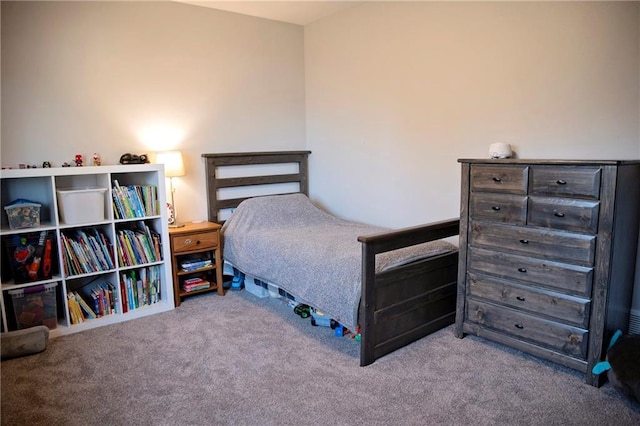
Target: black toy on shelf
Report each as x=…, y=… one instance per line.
x=134, y=159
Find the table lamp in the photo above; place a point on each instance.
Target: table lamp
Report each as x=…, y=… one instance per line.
x=173, y=167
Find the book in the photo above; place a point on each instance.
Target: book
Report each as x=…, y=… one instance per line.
x=192, y=265
x=196, y=286
x=85, y=307
x=75, y=312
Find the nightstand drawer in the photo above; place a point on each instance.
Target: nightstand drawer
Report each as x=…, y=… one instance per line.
x=559, y=337
x=573, y=279
x=535, y=300
x=565, y=181
x=505, y=179
x=196, y=241
x=498, y=207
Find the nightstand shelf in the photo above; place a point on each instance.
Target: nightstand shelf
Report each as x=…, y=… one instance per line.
x=196, y=242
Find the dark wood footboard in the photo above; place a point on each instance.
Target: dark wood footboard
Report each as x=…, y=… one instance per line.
x=404, y=304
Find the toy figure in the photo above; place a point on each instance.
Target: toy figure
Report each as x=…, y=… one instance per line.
x=65, y=164
x=46, y=165
x=23, y=251
x=96, y=159
x=78, y=160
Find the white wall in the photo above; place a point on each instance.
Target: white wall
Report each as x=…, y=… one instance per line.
x=117, y=77
x=397, y=92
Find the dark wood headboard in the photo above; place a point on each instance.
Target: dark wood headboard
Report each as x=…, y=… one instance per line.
x=214, y=183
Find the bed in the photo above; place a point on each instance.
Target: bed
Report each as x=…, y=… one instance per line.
x=397, y=286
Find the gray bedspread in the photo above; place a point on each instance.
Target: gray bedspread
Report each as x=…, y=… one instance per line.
x=289, y=242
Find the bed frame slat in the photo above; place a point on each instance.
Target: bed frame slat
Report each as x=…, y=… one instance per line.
x=258, y=180
x=214, y=183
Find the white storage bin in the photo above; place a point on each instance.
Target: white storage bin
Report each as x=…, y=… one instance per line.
x=81, y=205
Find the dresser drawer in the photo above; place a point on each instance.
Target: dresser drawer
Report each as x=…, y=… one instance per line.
x=565, y=181
x=498, y=207
x=566, y=214
x=567, y=278
x=561, y=307
x=498, y=178
x=196, y=241
x=548, y=244
x=559, y=337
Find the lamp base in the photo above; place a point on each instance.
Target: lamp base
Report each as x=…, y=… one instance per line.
x=176, y=225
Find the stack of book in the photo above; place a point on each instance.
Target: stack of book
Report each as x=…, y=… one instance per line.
x=193, y=264
x=196, y=283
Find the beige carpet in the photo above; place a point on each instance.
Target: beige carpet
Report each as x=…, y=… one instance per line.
x=240, y=360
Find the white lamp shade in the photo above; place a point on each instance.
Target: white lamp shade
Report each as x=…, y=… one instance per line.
x=173, y=164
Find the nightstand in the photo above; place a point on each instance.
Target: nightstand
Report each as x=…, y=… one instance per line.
x=196, y=259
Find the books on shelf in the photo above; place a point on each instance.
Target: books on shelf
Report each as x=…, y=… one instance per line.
x=91, y=301
x=195, y=283
x=140, y=287
x=193, y=264
x=131, y=201
x=137, y=288
x=138, y=246
x=85, y=251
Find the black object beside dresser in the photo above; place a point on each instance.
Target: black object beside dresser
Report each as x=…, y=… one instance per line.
x=547, y=255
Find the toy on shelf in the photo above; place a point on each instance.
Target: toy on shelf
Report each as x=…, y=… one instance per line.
x=133, y=159
x=78, y=160
x=96, y=159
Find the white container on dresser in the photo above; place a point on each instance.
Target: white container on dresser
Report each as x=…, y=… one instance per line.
x=547, y=255
x=70, y=210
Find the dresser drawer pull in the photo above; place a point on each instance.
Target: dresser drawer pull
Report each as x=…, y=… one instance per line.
x=524, y=241
x=497, y=179
x=523, y=270
x=520, y=298
x=518, y=326
x=495, y=208
x=558, y=214
x=561, y=182
x=189, y=241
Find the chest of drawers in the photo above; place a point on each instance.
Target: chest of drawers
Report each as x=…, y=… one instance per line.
x=547, y=255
